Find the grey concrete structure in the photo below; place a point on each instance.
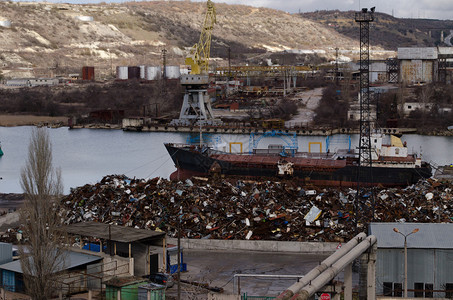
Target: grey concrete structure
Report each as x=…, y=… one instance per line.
x=264, y=246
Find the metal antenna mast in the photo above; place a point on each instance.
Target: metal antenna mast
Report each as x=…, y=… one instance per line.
x=364, y=18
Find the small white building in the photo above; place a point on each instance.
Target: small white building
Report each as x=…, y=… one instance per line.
x=44, y=81
x=31, y=82
x=18, y=82
x=413, y=106
x=445, y=110
x=378, y=70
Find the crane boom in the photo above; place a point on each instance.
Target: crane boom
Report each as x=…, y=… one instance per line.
x=199, y=55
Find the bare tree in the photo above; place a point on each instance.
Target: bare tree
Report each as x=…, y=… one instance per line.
x=43, y=255
x=425, y=100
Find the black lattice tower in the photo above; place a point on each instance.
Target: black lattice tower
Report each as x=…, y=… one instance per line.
x=364, y=175
x=364, y=18
x=393, y=70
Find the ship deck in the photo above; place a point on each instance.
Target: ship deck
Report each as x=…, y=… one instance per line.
x=299, y=162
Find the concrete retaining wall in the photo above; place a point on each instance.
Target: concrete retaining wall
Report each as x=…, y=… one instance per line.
x=212, y=296
x=264, y=246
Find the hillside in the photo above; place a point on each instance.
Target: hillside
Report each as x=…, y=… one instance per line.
x=386, y=31
x=48, y=39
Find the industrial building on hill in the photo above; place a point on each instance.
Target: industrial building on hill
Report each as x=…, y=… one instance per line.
x=425, y=65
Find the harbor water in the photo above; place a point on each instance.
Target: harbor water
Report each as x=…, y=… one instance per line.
x=85, y=156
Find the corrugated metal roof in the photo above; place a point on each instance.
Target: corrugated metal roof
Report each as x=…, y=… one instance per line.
x=429, y=236
x=72, y=260
x=116, y=233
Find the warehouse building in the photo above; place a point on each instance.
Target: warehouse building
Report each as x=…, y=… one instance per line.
x=71, y=269
x=146, y=249
x=425, y=65
x=429, y=259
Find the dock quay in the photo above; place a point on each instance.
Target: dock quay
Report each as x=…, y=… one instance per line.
x=145, y=125
x=249, y=130
x=231, y=129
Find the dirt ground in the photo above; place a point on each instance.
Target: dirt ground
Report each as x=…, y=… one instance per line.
x=21, y=120
x=305, y=115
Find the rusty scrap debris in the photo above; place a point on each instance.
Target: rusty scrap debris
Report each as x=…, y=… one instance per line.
x=251, y=210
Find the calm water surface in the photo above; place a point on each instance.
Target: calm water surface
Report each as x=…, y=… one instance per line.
x=87, y=155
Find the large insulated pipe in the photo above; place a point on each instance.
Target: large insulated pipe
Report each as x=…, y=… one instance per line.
x=322, y=267
x=320, y=281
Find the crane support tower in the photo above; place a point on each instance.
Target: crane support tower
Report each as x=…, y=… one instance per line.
x=196, y=108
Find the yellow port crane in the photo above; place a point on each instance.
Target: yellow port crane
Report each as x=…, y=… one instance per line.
x=198, y=58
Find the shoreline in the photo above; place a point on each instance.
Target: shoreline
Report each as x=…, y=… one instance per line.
x=7, y=120
x=11, y=201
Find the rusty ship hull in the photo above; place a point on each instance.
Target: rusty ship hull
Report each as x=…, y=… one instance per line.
x=194, y=161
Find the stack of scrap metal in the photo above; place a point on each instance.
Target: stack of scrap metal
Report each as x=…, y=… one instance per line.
x=253, y=210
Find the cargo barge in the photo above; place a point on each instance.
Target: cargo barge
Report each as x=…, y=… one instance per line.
x=392, y=164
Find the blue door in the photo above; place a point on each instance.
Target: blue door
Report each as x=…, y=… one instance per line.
x=9, y=282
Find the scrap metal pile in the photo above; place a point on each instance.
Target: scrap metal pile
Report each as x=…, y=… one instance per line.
x=249, y=209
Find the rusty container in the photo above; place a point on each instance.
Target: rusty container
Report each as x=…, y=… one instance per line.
x=133, y=72
x=87, y=73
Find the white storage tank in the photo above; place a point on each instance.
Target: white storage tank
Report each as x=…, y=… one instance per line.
x=5, y=23
x=172, y=72
x=142, y=71
x=85, y=18
x=122, y=73
x=153, y=73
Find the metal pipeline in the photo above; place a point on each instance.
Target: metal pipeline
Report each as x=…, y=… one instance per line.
x=321, y=280
x=328, y=262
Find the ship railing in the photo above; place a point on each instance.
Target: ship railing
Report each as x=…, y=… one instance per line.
x=316, y=155
x=177, y=145
x=434, y=165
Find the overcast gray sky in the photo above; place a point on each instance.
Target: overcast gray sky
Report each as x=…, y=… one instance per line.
x=434, y=9
x=438, y=9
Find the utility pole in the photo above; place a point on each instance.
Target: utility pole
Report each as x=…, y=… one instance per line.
x=336, y=65
x=111, y=63
x=179, y=255
x=405, y=255
x=229, y=63
x=229, y=73
x=164, y=73
x=164, y=63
